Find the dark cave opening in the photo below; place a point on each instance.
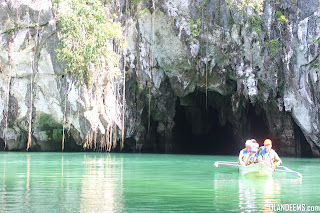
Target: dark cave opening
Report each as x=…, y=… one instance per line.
x=256, y=124
x=301, y=143
x=206, y=124
x=201, y=129
x=1, y=144
x=198, y=128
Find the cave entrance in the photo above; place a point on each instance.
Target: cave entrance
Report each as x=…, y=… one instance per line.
x=303, y=148
x=1, y=144
x=256, y=124
x=201, y=128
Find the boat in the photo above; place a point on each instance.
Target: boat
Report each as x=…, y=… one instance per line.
x=256, y=170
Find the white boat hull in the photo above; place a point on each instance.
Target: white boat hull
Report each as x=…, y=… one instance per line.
x=256, y=170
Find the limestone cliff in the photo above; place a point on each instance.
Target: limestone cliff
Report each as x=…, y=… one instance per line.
x=223, y=73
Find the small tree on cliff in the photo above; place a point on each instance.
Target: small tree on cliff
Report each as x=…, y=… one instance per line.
x=242, y=5
x=87, y=35
x=89, y=44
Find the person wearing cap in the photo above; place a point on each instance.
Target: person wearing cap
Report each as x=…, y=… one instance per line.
x=268, y=155
x=253, y=157
x=255, y=144
x=244, y=153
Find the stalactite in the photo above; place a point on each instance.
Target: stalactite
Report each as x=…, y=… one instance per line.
x=114, y=143
x=124, y=82
x=10, y=60
x=151, y=64
x=95, y=139
x=114, y=137
x=123, y=102
x=109, y=135
x=106, y=139
x=64, y=116
x=101, y=144
x=31, y=79
x=70, y=116
x=206, y=65
x=30, y=115
x=88, y=140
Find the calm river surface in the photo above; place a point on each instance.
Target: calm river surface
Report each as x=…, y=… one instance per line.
x=102, y=182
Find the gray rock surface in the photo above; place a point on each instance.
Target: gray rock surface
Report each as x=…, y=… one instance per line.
x=267, y=65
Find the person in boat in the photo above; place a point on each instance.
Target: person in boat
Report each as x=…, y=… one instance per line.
x=244, y=153
x=261, y=148
x=268, y=156
x=255, y=144
x=253, y=157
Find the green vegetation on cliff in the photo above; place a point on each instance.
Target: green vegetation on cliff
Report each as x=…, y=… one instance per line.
x=87, y=40
x=242, y=5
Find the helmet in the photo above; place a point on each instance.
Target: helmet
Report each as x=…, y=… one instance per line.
x=253, y=149
x=267, y=142
x=253, y=140
x=248, y=143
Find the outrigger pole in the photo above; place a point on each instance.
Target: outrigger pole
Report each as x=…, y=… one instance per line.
x=286, y=169
x=227, y=163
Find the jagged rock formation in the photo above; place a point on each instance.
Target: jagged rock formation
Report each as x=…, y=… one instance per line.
x=236, y=78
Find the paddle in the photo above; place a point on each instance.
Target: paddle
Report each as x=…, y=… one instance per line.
x=227, y=163
x=288, y=170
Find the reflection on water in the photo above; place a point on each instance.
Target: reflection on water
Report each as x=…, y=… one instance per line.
x=27, y=202
x=101, y=182
x=101, y=173
x=60, y=182
x=258, y=193
x=252, y=194
x=3, y=183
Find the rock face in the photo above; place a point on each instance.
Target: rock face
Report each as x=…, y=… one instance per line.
x=193, y=68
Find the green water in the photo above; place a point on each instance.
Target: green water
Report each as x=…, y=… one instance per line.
x=101, y=182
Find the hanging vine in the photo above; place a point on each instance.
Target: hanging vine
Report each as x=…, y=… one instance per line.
x=151, y=64
x=33, y=59
x=64, y=113
x=90, y=45
x=204, y=18
x=10, y=60
x=127, y=14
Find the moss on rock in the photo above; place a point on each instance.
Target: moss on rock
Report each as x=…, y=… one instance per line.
x=47, y=124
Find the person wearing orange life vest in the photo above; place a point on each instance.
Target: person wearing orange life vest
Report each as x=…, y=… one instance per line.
x=244, y=153
x=268, y=155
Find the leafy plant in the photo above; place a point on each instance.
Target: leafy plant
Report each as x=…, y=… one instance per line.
x=315, y=67
x=316, y=40
x=202, y=4
x=195, y=28
x=256, y=21
x=136, y=2
x=10, y=32
x=142, y=13
x=86, y=40
x=280, y=18
x=274, y=47
x=242, y=5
